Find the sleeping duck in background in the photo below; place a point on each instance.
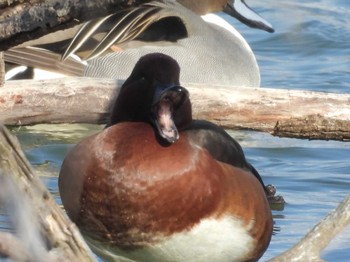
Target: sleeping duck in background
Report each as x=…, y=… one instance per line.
x=209, y=51
x=156, y=185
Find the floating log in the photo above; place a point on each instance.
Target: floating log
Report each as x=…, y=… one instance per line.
x=36, y=213
x=281, y=112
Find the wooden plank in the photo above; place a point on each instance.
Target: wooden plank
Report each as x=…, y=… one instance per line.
x=292, y=113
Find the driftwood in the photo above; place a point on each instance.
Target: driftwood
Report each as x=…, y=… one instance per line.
x=12, y=247
x=2, y=69
x=24, y=20
x=292, y=113
x=47, y=233
x=311, y=246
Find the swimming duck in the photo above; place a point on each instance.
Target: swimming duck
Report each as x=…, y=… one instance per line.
x=211, y=52
x=156, y=185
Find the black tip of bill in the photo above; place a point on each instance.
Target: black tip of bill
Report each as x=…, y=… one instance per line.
x=242, y=12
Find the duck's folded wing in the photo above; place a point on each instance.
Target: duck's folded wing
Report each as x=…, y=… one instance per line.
x=115, y=29
x=44, y=59
x=220, y=145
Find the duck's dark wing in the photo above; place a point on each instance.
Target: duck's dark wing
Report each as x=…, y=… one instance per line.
x=220, y=145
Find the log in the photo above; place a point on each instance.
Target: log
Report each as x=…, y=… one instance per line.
x=24, y=20
x=281, y=112
x=311, y=246
x=47, y=233
x=2, y=69
x=12, y=247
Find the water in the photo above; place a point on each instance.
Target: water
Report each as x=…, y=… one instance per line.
x=309, y=50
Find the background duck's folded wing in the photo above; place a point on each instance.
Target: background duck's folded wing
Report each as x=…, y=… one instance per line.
x=83, y=35
x=117, y=28
x=44, y=59
x=127, y=28
x=89, y=40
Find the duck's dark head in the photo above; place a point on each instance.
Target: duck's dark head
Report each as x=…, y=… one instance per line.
x=153, y=94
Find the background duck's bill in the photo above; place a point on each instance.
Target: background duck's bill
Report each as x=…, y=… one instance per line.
x=240, y=10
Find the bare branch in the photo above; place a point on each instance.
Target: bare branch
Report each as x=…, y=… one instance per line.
x=311, y=246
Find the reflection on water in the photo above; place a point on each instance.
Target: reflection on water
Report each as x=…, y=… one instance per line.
x=310, y=50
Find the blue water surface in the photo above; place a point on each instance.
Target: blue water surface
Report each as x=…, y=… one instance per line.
x=310, y=51
x=310, y=48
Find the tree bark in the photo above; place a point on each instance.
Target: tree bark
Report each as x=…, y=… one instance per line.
x=2, y=69
x=23, y=20
x=289, y=113
x=35, y=212
x=12, y=247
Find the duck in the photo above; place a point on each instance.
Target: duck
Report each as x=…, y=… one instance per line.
x=209, y=49
x=157, y=185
